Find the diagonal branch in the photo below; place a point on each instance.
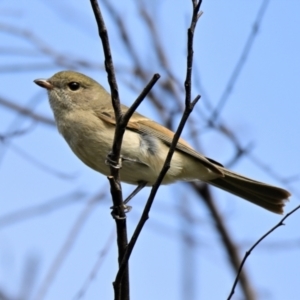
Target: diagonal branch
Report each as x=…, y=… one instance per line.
x=240, y=63
x=189, y=105
x=227, y=241
x=252, y=248
x=26, y=112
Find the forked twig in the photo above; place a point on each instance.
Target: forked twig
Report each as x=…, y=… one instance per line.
x=122, y=288
x=189, y=105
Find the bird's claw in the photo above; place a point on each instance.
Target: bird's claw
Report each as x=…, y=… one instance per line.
x=116, y=211
x=113, y=163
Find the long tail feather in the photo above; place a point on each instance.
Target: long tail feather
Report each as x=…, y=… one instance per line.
x=267, y=196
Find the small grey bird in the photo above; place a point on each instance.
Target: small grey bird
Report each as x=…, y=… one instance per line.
x=84, y=116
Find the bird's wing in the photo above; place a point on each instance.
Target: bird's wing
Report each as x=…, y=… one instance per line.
x=140, y=124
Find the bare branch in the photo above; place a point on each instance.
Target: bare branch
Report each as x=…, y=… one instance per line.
x=66, y=247
x=252, y=248
x=188, y=109
x=114, y=156
x=26, y=112
x=122, y=288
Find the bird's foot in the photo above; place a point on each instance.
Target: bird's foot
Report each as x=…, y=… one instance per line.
x=113, y=163
x=116, y=211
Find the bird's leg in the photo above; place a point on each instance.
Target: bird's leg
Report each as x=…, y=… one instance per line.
x=141, y=185
x=127, y=208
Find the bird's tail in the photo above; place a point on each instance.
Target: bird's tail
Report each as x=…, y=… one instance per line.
x=267, y=196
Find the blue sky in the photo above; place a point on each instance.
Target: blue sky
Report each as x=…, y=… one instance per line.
x=262, y=110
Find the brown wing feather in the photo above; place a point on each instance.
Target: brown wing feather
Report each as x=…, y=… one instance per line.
x=139, y=123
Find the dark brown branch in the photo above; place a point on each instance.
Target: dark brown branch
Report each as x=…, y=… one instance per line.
x=188, y=109
x=252, y=248
x=190, y=51
x=124, y=120
x=145, y=214
x=139, y=100
x=122, y=288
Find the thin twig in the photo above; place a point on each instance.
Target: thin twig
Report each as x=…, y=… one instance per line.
x=229, y=245
x=280, y=223
x=139, y=100
x=145, y=214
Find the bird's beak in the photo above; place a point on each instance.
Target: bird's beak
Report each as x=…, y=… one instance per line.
x=44, y=83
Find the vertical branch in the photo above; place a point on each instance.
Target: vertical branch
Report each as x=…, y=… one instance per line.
x=114, y=156
x=239, y=272
x=121, y=287
x=190, y=51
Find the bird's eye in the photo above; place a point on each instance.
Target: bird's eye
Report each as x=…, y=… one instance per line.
x=74, y=86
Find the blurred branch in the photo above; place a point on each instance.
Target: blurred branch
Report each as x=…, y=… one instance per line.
x=42, y=47
x=14, y=134
x=40, y=209
x=27, y=67
x=97, y=266
x=281, y=245
x=17, y=51
x=66, y=247
x=26, y=112
x=13, y=131
x=268, y=169
x=253, y=247
x=229, y=245
x=168, y=84
x=246, y=152
x=139, y=69
x=39, y=164
x=240, y=63
x=29, y=275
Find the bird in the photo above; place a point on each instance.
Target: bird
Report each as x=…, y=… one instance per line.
x=85, y=117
